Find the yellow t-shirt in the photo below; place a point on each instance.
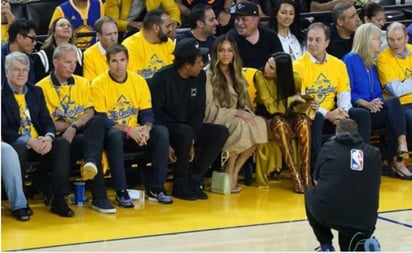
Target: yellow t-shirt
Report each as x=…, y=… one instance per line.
x=26, y=127
x=391, y=68
x=121, y=101
x=322, y=81
x=94, y=62
x=146, y=58
x=67, y=102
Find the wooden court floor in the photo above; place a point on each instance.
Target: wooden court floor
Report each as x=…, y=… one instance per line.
x=255, y=220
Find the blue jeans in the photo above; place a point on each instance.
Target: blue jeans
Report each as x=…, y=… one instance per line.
x=157, y=148
x=11, y=176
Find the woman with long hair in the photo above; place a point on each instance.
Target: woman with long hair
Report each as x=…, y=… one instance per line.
x=285, y=21
x=60, y=32
x=227, y=103
x=273, y=92
x=366, y=92
x=374, y=13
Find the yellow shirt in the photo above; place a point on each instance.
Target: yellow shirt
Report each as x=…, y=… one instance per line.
x=391, y=68
x=121, y=101
x=26, y=127
x=146, y=58
x=94, y=61
x=67, y=102
x=322, y=81
x=119, y=10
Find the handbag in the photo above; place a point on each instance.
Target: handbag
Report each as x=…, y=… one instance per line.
x=302, y=105
x=220, y=183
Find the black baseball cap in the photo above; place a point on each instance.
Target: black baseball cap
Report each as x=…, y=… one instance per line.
x=245, y=9
x=188, y=48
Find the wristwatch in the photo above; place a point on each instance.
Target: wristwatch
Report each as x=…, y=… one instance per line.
x=75, y=126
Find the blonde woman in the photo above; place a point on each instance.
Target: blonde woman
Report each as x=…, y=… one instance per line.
x=61, y=31
x=227, y=103
x=366, y=92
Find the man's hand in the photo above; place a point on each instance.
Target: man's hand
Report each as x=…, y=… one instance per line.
x=41, y=145
x=140, y=135
x=172, y=155
x=335, y=115
x=69, y=134
x=134, y=25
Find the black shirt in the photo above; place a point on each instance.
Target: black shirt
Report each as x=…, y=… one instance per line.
x=207, y=43
x=338, y=47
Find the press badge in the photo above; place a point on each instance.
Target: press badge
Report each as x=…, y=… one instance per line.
x=356, y=159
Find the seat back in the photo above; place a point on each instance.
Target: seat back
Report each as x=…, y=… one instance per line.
x=249, y=74
x=41, y=12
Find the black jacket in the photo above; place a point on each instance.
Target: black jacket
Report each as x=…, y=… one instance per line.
x=10, y=118
x=344, y=195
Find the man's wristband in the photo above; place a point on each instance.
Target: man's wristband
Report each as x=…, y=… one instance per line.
x=76, y=127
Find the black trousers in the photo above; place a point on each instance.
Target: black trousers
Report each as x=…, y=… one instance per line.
x=58, y=161
x=349, y=237
x=208, y=145
x=87, y=144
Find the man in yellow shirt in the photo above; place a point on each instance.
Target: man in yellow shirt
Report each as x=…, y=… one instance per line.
x=94, y=58
x=394, y=66
x=122, y=98
x=151, y=49
x=325, y=78
x=68, y=101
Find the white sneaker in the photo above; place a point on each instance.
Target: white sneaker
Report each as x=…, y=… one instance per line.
x=88, y=171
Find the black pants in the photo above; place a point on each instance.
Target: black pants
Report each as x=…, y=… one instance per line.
x=322, y=126
x=348, y=237
x=58, y=160
x=87, y=144
x=208, y=145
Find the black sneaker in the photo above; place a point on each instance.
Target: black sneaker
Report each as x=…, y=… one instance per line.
x=21, y=214
x=184, y=192
x=198, y=190
x=103, y=205
x=123, y=199
x=29, y=210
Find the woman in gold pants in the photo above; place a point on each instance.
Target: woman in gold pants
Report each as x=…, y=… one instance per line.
x=274, y=86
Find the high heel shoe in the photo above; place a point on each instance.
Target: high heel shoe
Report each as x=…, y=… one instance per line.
x=397, y=172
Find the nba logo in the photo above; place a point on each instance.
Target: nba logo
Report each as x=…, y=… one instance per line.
x=356, y=159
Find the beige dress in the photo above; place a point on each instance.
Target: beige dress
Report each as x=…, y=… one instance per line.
x=242, y=134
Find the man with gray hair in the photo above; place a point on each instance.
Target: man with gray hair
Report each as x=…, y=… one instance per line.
x=346, y=192
x=68, y=100
x=27, y=126
x=346, y=21
x=394, y=66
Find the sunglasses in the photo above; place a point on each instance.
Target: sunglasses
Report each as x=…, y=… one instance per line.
x=33, y=39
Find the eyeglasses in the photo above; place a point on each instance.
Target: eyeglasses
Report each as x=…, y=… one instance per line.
x=20, y=71
x=33, y=39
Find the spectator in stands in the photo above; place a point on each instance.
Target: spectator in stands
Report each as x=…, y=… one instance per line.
x=179, y=98
x=22, y=38
x=12, y=180
x=366, y=92
x=227, y=103
x=82, y=15
x=129, y=14
x=7, y=18
x=272, y=103
x=68, y=101
x=346, y=194
x=27, y=126
x=346, y=20
x=327, y=5
x=374, y=13
x=394, y=69
x=203, y=25
x=285, y=20
x=151, y=49
x=94, y=59
x=122, y=98
x=255, y=43
x=60, y=32
x=325, y=78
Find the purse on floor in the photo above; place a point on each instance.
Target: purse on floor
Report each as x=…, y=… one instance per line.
x=220, y=183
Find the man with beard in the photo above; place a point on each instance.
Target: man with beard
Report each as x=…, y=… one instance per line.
x=150, y=49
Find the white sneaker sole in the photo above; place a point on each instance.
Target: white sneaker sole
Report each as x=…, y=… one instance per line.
x=104, y=210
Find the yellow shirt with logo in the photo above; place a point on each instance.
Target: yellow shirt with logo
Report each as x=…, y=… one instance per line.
x=67, y=102
x=322, y=81
x=26, y=127
x=391, y=68
x=146, y=58
x=94, y=62
x=121, y=101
